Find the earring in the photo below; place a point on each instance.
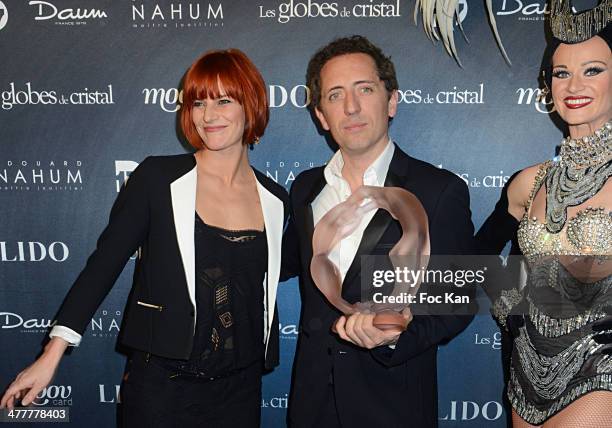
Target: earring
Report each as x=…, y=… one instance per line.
x=543, y=92
x=256, y=140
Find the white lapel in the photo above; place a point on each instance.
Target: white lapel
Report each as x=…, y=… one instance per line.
x=273, y=213
x=183, y=191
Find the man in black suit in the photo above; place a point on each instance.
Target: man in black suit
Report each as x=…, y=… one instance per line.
x=363, y=376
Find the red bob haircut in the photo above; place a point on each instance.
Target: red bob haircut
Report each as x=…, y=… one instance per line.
x=240, y=80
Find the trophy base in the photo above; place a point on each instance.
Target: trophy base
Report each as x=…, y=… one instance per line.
x=390, y=321
x=387, y=321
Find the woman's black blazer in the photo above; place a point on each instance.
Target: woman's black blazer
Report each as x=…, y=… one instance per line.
x=155, y=214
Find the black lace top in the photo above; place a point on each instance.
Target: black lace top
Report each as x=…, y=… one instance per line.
x=230, y=269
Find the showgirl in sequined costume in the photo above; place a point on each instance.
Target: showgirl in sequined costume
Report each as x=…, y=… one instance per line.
x=560, y=214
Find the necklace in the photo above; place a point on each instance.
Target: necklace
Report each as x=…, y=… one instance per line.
x=587, y=151
x=582, y=171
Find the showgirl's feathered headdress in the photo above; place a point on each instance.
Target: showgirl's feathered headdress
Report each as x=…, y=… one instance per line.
x=569, y=27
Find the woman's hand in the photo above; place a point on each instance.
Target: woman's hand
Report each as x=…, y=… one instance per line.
x=36, y=377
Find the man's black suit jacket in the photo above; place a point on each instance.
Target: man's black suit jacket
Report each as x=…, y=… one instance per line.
x=380, y=387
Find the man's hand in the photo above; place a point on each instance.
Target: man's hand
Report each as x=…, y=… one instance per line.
x=359, y=329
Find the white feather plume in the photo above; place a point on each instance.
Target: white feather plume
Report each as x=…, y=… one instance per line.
x=439, y=17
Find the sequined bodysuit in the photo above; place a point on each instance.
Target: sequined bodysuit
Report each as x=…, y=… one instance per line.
x=554, y=358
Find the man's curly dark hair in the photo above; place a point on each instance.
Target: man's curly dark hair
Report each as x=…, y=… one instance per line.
x=344, y=46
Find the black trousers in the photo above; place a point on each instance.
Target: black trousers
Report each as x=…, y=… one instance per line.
x=154, y=397
x=328, y=414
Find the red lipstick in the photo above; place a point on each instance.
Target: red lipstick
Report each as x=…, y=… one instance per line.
x=577, y=102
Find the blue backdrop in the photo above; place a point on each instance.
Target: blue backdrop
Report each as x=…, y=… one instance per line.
x=89, y=89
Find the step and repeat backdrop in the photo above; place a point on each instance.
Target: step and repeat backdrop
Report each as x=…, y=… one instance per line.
x=90, y=88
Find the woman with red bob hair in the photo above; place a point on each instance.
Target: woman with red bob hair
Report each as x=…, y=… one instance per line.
x=201, y=319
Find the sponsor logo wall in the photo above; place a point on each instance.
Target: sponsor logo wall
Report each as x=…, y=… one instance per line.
x=472, y=411
x=54, y=395
x=92, y=88
x=170, y=100
x=285, y=12
x=57, y=14
x=183, y=15
x=33, y=251
x=26, y=94
x=11, y=320
x=532, y=97
x=41, y=175
x=524, y=10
